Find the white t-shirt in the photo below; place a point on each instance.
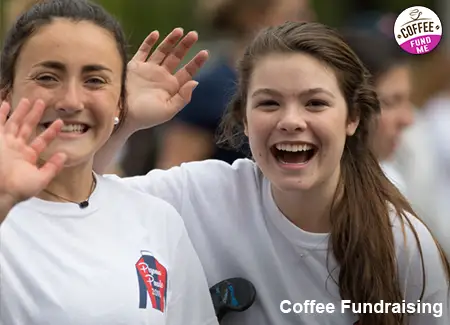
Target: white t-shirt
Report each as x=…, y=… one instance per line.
x=238, y=231
x=125, y=259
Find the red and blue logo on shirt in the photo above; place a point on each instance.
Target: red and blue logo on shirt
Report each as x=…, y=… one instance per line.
x=152, y=276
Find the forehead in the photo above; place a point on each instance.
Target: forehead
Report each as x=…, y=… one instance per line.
x=71, y=43
x=293, y=73
x=400, y=72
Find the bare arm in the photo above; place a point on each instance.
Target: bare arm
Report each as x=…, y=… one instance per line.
x=104, y=157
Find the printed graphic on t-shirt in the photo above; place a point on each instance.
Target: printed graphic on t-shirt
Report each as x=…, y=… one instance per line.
x=152, y=277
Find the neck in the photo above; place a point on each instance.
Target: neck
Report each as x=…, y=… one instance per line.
x=72, y=184
x=309, y=210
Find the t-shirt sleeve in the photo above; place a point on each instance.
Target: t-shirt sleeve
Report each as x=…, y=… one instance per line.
x=190, y=302
x=168, y=185
x=434, y=305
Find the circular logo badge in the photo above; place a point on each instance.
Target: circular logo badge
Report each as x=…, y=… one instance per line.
x=418, y=30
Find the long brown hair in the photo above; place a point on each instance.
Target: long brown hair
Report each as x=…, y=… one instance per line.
x=361, y=239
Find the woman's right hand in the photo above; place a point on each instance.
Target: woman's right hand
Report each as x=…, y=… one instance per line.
x=20, y=176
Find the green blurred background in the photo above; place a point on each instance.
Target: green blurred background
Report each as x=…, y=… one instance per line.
x=139, y=17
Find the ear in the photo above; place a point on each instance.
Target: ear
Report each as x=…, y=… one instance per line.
x=119, y=109
x=352, y=125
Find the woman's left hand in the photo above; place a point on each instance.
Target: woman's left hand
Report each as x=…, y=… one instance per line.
x=156, y=91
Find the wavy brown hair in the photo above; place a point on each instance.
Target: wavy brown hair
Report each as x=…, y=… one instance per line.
x=361, y=238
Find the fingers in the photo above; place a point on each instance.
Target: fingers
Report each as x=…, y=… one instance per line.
x=31, y=120
x=183, y=97
x=45, y=138
x=16, y=119
x=144, y=50
x=166, y=46
x=173, y=59
x=52, y=167
x=190, y=69
x=4, y=110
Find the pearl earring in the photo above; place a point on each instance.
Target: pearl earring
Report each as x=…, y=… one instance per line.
x=116, y=120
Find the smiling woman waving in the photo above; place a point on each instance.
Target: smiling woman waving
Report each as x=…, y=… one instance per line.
x=77, y=248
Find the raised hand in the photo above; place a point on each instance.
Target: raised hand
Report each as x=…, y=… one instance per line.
x=20, y=176
x=156, y=91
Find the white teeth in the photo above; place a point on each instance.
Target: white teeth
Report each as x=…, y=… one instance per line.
x=293, y=147
x=78, y=128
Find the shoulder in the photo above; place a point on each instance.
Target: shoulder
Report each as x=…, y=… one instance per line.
x=200, y=179
x=132, y=199
x=418, y=254
x=240, y=172
x=411, y=233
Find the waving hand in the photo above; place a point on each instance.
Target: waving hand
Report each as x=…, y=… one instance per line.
x=20, y=176
x=156, y=90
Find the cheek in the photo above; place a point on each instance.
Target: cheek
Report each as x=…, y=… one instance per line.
x=29, y=92
x=259, y=126
x=331, y=128
x=259, y=129
x=385, y=122
x=107, y=103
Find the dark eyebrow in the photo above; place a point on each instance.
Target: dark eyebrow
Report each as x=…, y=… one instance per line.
x=308, y=92
x=95, y=68
x=55, y=65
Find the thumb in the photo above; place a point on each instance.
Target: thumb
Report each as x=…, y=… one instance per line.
x=183, y=97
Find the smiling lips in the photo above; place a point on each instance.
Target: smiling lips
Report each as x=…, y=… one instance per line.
x=299, y=153
x=70, y=127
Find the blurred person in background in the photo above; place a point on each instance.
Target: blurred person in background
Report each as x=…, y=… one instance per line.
x=437, y=116
x=421, y=155
x=191, y=135
x=391, y=75
x=417, y=165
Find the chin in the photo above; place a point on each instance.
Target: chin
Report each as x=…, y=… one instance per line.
x=294, y=184
x=75, y=156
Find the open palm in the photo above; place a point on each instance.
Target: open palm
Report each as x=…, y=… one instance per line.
x=20, y=176
x=156, y=91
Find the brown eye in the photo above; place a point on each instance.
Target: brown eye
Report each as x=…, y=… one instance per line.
x=96, y=81
x=317, y=103
x=267, y=103
x=45, y=78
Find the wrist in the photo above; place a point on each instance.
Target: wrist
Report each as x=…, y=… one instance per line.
x=7, y=202
x=125, y=130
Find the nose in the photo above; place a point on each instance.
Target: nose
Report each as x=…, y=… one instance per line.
x=292, y=120
x=70, y=99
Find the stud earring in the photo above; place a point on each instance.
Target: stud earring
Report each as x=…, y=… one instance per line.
x=116, y=120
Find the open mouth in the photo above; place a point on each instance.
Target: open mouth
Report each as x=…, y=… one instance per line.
x=299, y=154
x=77, y=128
